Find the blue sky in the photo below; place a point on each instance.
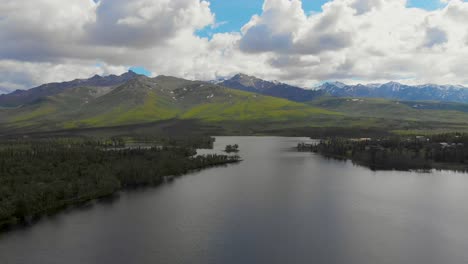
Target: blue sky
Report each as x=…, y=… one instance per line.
x=140, y=70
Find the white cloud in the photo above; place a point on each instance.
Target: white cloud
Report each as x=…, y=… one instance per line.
x=145, y=23
x=350, y=40
x=35, y=30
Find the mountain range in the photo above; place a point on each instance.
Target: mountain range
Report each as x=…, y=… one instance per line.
x=391, y=90
x=398, y=91
x=243, y=103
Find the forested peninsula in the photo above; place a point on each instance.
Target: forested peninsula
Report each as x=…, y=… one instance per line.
x=441, y=151
x=40, y=177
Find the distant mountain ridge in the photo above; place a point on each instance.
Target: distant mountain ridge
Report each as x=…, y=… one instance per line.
x=21, y=97
x=398, y=91
x=390, y=90
x=243, y=82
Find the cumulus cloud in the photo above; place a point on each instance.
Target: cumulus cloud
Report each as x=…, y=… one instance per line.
x=37, y=30
x=362, y=41
x=284, y=28
x=349, y=40
x=275, y=29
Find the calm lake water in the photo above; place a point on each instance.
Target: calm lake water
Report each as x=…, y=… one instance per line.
x=277, y=206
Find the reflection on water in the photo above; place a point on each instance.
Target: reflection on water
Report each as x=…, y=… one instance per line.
x=277, y=206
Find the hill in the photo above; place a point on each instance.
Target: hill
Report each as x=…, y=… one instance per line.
x=445, y=114
x=394, y=109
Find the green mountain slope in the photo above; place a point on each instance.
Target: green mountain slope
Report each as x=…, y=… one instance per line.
x=144, y=100
x=244, y=106
x=138, y=101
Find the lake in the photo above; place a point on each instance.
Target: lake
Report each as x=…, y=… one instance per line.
x=277, y=206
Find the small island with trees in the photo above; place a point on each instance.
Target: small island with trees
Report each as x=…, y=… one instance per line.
x=441, y=151
x=232, y=148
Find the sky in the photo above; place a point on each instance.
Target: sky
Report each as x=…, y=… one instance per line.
x=298, y=42
x=232, y=15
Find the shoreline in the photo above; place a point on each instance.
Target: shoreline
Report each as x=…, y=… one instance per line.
x=434, y=166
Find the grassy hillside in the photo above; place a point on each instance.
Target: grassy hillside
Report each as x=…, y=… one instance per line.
x=244, y=106
x=399, y=110
x=50, y=111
